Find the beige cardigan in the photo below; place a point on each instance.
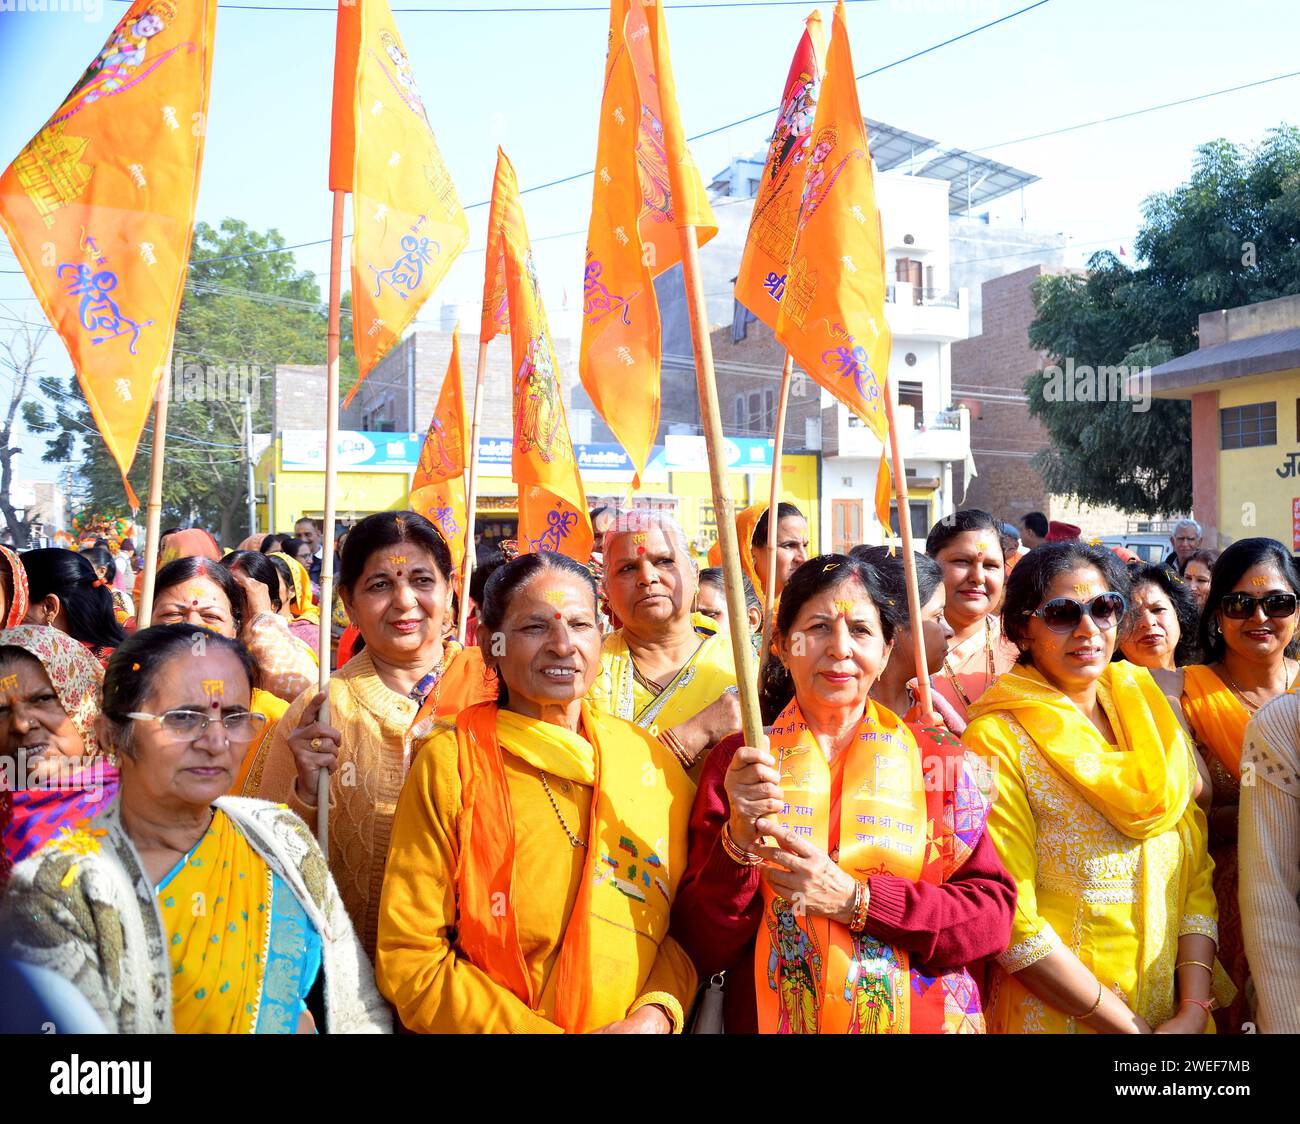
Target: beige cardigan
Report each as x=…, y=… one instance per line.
x=1269, y=858
x=93, y=918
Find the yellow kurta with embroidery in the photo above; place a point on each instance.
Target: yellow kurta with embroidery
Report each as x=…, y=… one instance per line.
x=1118, y=903
x=701, y=682
x=418, y=967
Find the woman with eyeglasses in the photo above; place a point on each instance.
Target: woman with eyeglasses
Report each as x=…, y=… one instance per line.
x=1094, y=817
x=112, y=906
x=1248, y=637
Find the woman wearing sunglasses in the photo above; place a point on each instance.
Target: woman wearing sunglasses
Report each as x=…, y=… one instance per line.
x=1248, y=637
x=272, y=927
x=1114, y=930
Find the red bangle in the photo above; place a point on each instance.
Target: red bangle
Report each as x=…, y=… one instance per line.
x=1205, y=1004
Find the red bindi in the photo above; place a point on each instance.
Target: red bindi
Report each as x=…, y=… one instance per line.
x=557, y=616
x=640, y=550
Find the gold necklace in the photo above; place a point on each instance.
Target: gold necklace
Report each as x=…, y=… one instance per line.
x=573, y=839
x=1253, y=707
x=988, y=652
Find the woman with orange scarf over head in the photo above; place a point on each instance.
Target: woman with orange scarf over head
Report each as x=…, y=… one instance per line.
x=396, y=581
x=751, y=534
x=538, y=842
x=968, y=548
x=13, y=589
x=883, y=886
x=1249, y=643
x=301, y=612
x=1094, y=817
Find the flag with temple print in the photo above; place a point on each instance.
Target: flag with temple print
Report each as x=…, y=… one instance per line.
x=832, y=313
x=646, y=187
x=99, y=209
x=552, y=504
x=438, y=485
x=765, y=262
x=407, y=222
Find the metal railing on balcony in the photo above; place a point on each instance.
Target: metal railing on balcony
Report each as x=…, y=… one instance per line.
x=944, y=419
x=901, y=292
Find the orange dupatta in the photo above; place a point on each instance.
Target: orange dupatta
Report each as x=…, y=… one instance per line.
x=746, y=521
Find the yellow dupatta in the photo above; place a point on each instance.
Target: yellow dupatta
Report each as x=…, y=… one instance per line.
x=811, y=974
x=620, y=915
x=1142, y=785
x=301, y=589
x=216, y=910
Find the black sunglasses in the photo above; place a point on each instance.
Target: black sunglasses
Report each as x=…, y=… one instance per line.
x=1241, y=606
x=1063, y=614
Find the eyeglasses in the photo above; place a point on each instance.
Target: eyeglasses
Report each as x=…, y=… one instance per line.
x=1241, y=606
x=1063, y=614
x=186, y=725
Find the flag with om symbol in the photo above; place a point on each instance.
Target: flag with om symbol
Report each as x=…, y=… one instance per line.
x=647, y=186
x=552, y=503
x=438, y=484
x=832, y=313
x=407, y=222
x=99, y=209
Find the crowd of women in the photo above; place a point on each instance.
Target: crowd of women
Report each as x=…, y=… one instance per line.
x=1093, y=826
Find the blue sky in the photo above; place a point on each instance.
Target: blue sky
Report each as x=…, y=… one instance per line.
x=530, y=81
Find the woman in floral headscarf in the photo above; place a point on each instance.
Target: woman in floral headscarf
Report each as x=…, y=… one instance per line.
x=49, y=699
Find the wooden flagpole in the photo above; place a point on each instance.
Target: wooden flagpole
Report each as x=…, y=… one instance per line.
x=471, y=492
x=751, y=721
x=773, y=507
x=909, y=565
x=332, y=349
x=153, y=508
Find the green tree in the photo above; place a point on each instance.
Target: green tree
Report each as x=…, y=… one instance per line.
x=247, y=307
x=1230, y=236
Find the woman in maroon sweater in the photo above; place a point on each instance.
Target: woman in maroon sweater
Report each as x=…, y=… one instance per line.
x=882, y=888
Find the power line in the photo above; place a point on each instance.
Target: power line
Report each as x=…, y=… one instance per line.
x=525, y=11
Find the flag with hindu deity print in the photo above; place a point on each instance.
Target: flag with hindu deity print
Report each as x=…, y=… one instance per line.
x=832, y=313
x=647, y=186
x=552, y=504
x=438, y=485
x=99, y=209
x=765, y=263
x=407, y=222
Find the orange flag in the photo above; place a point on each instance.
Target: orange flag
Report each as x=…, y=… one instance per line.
x=765, y=262
x=438, y=486
x=832, y=315
x=496, y=305
x=407, y=222
x=552, y=503
x=99, y=209
x=646, y=187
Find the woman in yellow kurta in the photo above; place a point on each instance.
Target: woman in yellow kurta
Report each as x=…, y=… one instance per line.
x=538, y=843
x=1115, y=919
x=1248, y=636
x=666, y=668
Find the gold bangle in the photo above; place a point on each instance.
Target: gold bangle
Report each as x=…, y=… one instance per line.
x=1101, y=990
x=861, y=901
x=734, y=850
x=1198, y=963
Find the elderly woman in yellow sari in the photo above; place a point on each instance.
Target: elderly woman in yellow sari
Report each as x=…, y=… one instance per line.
x=1094, y=817
x=395, y=579
x=667, y=668
x=1249, y=641
x=111, y=905
x=538, y=843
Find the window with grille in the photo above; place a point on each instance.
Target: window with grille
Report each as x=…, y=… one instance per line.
x=1245, y=427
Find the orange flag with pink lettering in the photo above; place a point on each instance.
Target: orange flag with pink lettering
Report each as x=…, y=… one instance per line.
x=552, y=504
x=407, y=222
x=438, y=485
x=647, y=186
x=99, y=209
x=765, y=262
x=832, y=314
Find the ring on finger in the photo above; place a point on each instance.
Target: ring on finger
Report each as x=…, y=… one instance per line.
x=315, y=743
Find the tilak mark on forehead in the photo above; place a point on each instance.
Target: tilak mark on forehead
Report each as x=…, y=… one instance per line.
x=9, y=683
x=1259, y=583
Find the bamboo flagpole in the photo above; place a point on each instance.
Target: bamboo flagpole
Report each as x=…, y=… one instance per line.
x=471, y=492
x=153, y=506
x=928, y=715
x=773, y=508
x=332, y=349
x=751, y=722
